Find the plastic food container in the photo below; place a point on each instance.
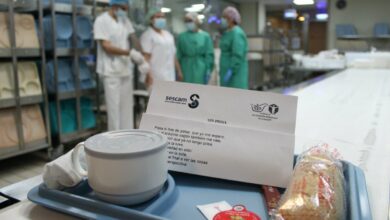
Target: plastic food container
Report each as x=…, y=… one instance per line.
x=126, y=166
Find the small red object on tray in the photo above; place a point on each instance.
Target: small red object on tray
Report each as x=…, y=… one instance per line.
x=238, y=212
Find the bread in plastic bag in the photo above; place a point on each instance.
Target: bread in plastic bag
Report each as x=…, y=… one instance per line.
x=316, y=190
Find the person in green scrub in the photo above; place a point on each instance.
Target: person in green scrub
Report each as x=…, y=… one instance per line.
x=234, y=48
x=195, y=51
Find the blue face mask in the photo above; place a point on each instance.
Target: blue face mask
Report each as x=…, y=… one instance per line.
x=160, y=23
x=120, y=13
x=190, y=26
x=224, y=23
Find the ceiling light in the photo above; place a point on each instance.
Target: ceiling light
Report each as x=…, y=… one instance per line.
x=321, y=4
x=190, y=9
x=303, y=2
x=198, y=7
x=301, y=18
x=195, y=8
x=290, y=14
x=201, y=17
x=322, y=16
x=166, y=10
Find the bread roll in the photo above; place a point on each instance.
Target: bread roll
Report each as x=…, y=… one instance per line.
x=316, y=191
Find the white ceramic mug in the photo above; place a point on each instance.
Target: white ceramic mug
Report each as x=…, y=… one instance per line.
x=124, y=167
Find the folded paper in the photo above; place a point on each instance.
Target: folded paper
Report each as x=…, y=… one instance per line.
x=225, y=133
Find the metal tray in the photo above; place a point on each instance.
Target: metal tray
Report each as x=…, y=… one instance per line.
x=181, y=194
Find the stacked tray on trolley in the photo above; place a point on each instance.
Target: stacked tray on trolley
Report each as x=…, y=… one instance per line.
x=69, y=115
x=25, y=31
x=64, y=31
x=32, y=119
x=33, y=126
x=28, y=77
x=66, y=79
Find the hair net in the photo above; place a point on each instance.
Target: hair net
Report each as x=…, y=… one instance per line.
x=119, y=2
x=193, y=16
x=151, y=13
x=233, y=14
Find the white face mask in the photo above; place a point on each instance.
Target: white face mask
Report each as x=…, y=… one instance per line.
x=224, y=23
x=191, y=26
x=120, y=13
x=160, y=23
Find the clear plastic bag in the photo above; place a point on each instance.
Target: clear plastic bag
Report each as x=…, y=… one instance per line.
x=316, y=190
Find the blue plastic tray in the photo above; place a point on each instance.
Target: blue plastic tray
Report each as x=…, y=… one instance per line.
x=181, y=194
x=64, y=31
x=86, y=79
x=66, y=82
x=84, y=32
x=68, y=117
x=88, y=117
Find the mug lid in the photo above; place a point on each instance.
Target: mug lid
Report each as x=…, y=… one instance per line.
x=125, y=143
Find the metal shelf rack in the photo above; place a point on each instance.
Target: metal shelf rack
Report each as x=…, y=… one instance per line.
x=74, y=10
x=15, y=54
x=270, y=70
x=29, y=100
x=66, y=52
x=25, y=53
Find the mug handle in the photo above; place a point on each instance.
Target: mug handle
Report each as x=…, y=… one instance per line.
x=76, y=161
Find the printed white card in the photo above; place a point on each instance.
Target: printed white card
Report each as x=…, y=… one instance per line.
x=225, y=133
x=220, y=105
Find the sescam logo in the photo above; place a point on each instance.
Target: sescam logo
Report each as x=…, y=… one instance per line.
x=265, y=111
x=195, y=103
x=194, y=98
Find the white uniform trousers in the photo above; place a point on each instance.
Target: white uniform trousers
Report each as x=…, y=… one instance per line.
x=119, y=102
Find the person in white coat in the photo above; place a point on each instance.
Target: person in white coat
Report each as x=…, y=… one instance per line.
x=112, y=31
x=159, y=49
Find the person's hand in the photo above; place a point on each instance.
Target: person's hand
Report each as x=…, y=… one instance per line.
x=228, y=76
x=180, y=76
x=136, y=56
x=206, y=78
x=144, y=68
x=149, y=80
